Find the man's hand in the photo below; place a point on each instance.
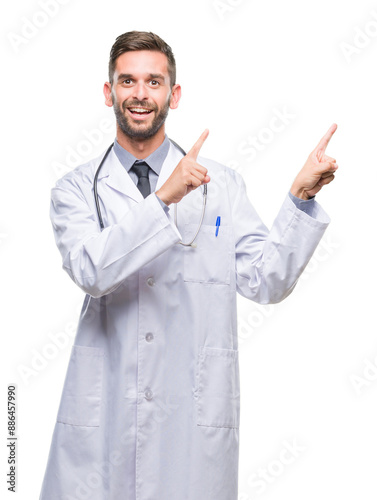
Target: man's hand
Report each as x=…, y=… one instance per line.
x=318, y=170
x=186, y=176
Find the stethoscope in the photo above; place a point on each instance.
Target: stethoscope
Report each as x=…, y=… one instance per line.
x=191, y=244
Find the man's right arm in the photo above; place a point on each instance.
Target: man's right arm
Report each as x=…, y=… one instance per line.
x=98, y=261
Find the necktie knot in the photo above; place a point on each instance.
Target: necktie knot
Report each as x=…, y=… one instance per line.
x=141, y=168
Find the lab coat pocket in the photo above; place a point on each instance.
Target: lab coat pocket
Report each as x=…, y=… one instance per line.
x=217, y=391
x=209, y=262
x=80, y=402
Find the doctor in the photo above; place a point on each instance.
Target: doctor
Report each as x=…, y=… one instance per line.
x=150, y=408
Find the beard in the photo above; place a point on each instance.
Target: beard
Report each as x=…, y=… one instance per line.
x=139, y=130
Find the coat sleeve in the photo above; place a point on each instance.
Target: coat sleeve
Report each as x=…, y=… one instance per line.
x=98, y=261
x=269, y=263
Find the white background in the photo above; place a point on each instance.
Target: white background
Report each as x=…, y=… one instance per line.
x=238, y=62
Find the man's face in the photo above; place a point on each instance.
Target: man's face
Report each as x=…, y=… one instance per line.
x=141, y=93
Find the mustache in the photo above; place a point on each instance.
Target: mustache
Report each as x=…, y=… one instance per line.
x=136, y=103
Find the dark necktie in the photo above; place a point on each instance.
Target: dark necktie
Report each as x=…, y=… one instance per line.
x=141, y=168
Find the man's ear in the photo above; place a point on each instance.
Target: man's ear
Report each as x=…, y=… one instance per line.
x=175, y=96
x=107, y=94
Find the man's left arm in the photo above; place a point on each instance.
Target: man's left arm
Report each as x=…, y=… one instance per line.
x=269, y=263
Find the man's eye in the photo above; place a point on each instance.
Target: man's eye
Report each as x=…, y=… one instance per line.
x=154, y=83
x=127, y=81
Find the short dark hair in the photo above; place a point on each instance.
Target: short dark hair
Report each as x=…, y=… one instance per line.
x=141, y=40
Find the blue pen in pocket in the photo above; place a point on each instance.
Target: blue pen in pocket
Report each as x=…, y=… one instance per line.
x=218, y=220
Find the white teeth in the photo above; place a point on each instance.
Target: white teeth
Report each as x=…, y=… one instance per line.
x=139, y=110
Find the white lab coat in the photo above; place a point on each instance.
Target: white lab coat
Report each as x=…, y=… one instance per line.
x=150, y=408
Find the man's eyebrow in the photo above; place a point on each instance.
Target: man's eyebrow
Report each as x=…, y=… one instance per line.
x=156, y=76
x=123, y=76
x=153, y=76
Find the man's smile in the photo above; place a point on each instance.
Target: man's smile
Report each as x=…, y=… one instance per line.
x=138, y=112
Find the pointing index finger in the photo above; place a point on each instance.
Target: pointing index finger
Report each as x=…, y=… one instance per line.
x=194, y=151
x=326, y=138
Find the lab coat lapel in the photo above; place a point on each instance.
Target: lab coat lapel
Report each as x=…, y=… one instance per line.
x=118, y=178
x=172, y=159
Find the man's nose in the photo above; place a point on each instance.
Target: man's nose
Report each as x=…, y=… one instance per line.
x=140, y=91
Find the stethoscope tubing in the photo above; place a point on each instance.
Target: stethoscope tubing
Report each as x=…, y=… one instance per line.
x=95, y=187
x=102, y=226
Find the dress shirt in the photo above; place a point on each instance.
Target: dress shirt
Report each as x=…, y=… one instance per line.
x=304, y=205
x=154, y=160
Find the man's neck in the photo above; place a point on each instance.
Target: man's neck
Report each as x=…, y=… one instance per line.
x=141, y=148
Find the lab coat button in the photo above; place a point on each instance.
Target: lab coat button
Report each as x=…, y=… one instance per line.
x=148, y=394
x=150, y=281
x=149, y=337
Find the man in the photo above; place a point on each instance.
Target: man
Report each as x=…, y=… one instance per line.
x=150, y=408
